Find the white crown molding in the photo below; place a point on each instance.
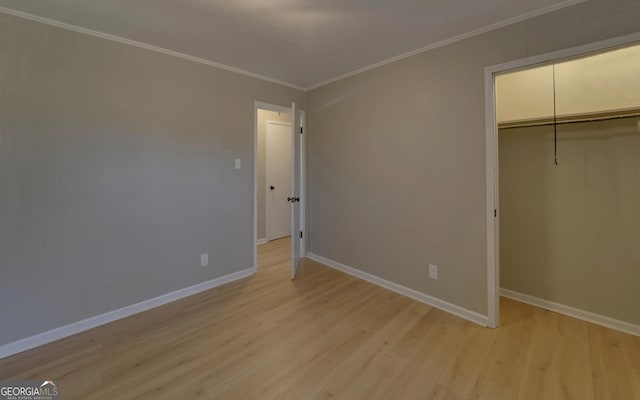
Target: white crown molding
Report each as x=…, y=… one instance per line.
x=92, y=322
x=442, y=43
x=157, y=49
x=403, y=290
x=107, y=36
x=597, y=319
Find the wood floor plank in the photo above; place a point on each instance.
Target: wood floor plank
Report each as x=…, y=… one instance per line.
x=330, y=335
x=503, y=371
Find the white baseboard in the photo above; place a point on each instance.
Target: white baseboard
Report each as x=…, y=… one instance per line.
x=403, y=290
x=597, y=319
x=261, y=241
x=92, y=322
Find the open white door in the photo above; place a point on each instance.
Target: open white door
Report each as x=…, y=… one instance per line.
x=295, y=188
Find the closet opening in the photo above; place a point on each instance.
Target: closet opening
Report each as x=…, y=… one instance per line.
x=563, y=176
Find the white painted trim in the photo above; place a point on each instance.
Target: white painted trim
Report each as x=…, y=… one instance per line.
x=146, y=46
x=92, y=322
x=493, y=235
x=254, y=257
x=119, y=39
x=272, y=107
x=303, y=186
x=295, y=245
x=583, y=315
x=565, y=54
x=454, y=39
x=262, y=241
x=403, y=290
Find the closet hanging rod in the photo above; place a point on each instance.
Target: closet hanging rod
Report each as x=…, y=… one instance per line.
x=550, y=122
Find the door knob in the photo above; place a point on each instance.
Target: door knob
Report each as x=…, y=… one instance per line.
x=272, y=187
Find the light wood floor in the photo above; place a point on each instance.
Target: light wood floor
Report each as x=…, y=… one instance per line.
x=328, y=335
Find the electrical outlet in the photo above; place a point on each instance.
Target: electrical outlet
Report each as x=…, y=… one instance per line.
x=433, y=271
x=237, y=163
x=204, y=259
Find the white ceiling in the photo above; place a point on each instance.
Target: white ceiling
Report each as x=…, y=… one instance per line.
x=300, y=42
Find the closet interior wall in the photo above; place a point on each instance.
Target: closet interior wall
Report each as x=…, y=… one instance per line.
x=569, y=233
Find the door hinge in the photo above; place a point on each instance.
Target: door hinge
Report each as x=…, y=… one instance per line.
x=495, y=213
x=300, y=234
x=301, y=129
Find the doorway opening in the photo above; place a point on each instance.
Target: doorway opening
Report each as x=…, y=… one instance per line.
x=560, y=126
x=274, y=215
x=279, y=186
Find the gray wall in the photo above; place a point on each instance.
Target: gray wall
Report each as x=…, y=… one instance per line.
x=263, y=117
x=397, y=154
x=570, y=233
x=116, y=173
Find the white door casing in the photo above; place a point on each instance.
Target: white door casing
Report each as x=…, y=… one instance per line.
x=295, y=193
x=303, y=187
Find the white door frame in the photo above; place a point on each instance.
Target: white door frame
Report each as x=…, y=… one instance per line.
x=493, y=234
x=303, y=189
x=286, y=110
x=266, y=194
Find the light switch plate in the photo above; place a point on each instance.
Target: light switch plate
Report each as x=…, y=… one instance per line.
x=433, y=271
